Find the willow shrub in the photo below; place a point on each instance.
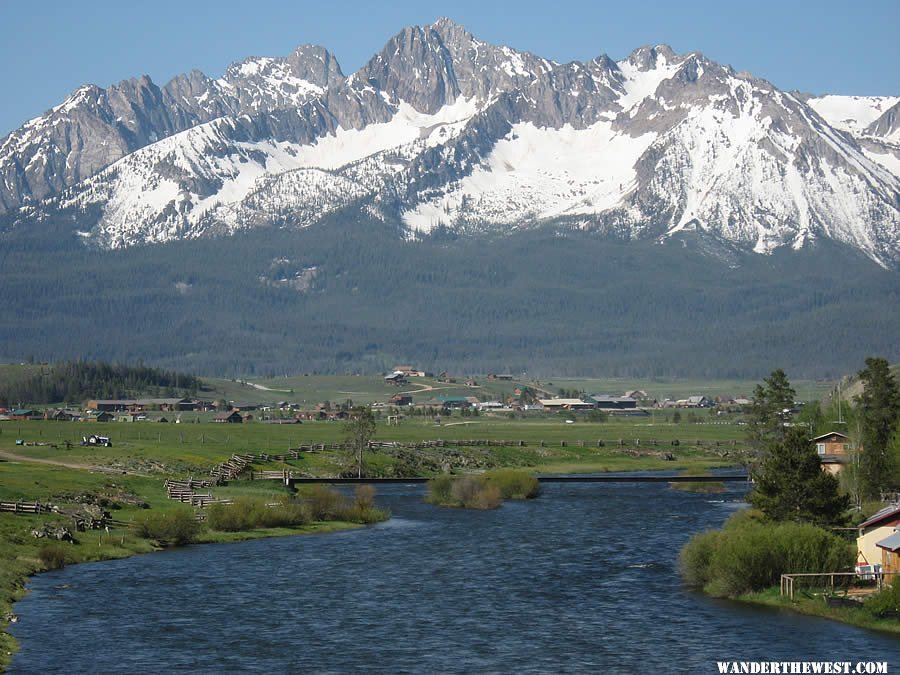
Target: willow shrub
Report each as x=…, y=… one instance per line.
x=248, y=513
x=175, y=526
x=53, y=556
x=514, y=484
x=323, y=502
x=750, y=555
x=886, y=603
x=470, y=492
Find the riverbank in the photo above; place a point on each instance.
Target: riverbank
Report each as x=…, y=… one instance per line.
x=88, y=491
x=51, y=467
x=855, y=616
x=21, y=561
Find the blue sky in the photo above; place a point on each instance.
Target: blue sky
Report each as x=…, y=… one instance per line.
x=50, y=48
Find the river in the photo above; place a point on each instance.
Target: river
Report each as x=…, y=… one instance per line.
x=583, y=579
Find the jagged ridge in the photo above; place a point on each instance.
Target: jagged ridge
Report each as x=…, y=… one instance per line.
x=442, y=130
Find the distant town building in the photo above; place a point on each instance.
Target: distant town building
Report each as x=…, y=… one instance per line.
x=558, y=404
x=605, y=402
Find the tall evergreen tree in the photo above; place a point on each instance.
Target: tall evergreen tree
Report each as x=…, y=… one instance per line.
x=789, y=483
x=879, y=413
x=766, y=419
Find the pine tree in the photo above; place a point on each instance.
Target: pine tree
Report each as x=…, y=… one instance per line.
x=879, y=412
x=766, y=419
x=789, y=483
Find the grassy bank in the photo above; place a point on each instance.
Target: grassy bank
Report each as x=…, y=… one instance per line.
x=129, y=499
x=127, y=478
x=815, y=606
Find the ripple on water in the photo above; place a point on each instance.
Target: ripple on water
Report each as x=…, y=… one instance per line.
x=583, y=579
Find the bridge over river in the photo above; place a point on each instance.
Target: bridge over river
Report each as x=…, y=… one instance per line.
x=291, y=481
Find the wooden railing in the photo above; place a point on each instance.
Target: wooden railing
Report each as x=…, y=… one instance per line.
x=23, y=507
x=787, y=580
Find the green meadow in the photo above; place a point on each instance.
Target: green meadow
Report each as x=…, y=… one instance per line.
x=44, y=461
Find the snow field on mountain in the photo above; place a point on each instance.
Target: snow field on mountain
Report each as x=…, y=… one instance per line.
x=539, y=173
x=851, y=113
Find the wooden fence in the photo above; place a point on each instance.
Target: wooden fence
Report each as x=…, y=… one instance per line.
x=23, y=507
x=787, y=580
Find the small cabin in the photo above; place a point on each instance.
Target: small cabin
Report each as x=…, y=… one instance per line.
x=231, y=417
x=890, y=552
x=833, y=449
x=874, y=531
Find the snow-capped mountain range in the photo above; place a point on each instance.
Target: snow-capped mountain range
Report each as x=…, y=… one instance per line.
x=441, y=130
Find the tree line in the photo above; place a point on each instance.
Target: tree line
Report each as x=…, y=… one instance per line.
x=72, y=381
x=365, y=300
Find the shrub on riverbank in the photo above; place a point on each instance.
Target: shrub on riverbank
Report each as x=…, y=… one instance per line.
x=53, y=556
x=700, y=486
x=316, y=503
x=173, y=527
x=514, y=484
x=470, y=492
x=885, y=604
x=249, y=513
x=750, y=554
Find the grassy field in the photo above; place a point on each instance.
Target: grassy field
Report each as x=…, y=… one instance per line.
x=311, y=389
x=179, y=449
x=44, y=461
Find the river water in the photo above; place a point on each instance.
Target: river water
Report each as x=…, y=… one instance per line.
x=583, y=579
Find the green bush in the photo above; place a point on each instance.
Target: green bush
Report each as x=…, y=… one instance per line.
x=750, y=555
x=53, y=556
x=439, y=489
x=514, y=484
x=886, y=603
x=323, y=502
x=354, y=512
x=174, y=527
x=226, y=518
x=696, y=558
x=365, y=495
x=470, y=491
x=249, y=513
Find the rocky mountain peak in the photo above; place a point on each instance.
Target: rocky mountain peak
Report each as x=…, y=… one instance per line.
x=442, y=130
x=651, y=57
x=414, y=66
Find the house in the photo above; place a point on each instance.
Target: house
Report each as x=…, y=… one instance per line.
x=454, y=401
x=876, y=529
x=409, y=371
x=401, y=399
x=614, y=402
x=21, y=414
x=637, y=394
x=834, y=451
x=99, y=416
x=396, y=377
x=167, y=404
x=61, y=415
x=694, y=402
x=229, y=417
x=558, y=404
x=890, y=552
x=490, y=405
x=113, y=405
x=832, y=443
